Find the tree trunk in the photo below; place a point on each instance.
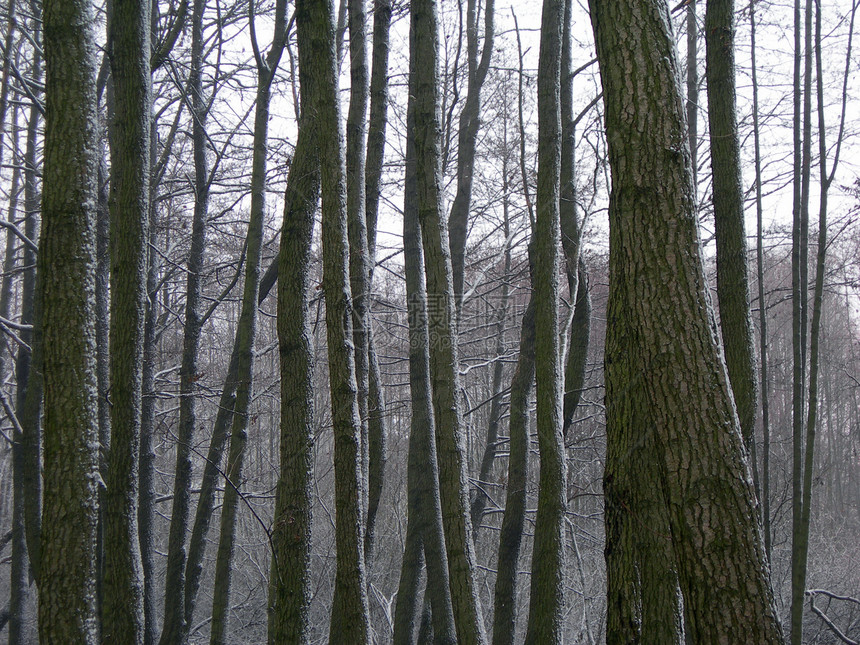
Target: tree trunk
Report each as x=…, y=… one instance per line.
x=129, y=40
x=28, y=364
x=247, y=325
x=425, y=539
x=174, y=627
x=444, y=373
x=290, y=580
x=546, y=602
x=467, y=137
x=729, y=229
x=762, y=302
x=665, y=380
x=514, y=519
x=359, y=260
x=350, y=611
x=67, y=611
x=373, y=174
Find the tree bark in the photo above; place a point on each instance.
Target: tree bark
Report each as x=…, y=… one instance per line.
x=444, y=373
x=730, y=232
x=425, y=538
x=67, y=611
x=290, y=590
x=129, y=41
x=546, y=602
x=662, y=356
x=350, y=611
x=514, y=519
x=376, y=430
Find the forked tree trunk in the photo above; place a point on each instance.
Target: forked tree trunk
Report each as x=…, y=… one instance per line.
x=444, y=374
x=350, y=611
x=546, y=602
x=425, y=539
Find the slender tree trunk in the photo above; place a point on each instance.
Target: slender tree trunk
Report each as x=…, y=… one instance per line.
x=693, y=89
x=129, y=39
x=730, y=232
x=513, y=521
x=359, y=260
x=762, y=303
x=488, y=459
x=373, y=173
x=470, y=121
x=546, y=602
x=246, y=328
x=290, y=580
x=425, y=538
x=664, y=373
x=20, y=563
x=444, y=374
x=571, y=234
x=67, y=611
x=350, y=611
x=800, y=314
x=28, y=364
x=174, y=597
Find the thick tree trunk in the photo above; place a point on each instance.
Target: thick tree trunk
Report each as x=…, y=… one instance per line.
x=662, y=357
x=129, y=39
x=444, y=373
x=67, y=611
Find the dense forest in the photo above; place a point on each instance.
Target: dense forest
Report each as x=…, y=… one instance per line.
x=429, y=321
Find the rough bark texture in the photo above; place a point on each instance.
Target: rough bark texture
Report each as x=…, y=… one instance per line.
x=732, y=272
x=546, y=602
x=661, y=344
x=122, y=618
x=444, y=374
x=290, y=579
x=67, y=611
x=350, y=612
x=425, y=539
x=174, y=595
